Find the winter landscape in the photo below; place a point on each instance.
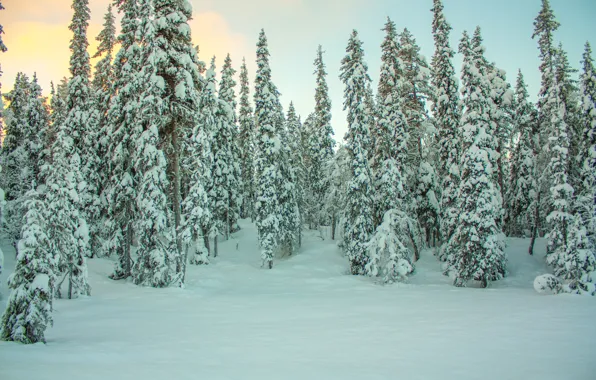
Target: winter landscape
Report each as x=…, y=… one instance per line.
x=165, y=214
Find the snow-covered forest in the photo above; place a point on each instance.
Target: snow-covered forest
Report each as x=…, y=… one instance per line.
x=157, y=169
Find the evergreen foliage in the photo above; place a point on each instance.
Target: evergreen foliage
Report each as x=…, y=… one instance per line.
x=359, y=203
x=246, y=142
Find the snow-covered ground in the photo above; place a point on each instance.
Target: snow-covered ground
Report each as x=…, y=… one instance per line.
x=308, y=319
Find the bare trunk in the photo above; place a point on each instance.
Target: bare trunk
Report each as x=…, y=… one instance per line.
x=333, y=223
x=206, y=241
x=215, y=246
x=534, y=232
x=176, y=196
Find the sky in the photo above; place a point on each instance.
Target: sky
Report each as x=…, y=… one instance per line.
x=37, y=36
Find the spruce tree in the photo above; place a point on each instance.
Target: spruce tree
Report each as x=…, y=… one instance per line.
x=17, y=170
x=29, y=309
x=476, y=248
x=587, y=157
x=545, y=24
x=322, y=143
x=420, y=174
x=338, y=171
x=446, y=114
x=198, y=162
x=177, y=63
x=296, y=153
x=159, y=263
x=227, y=150
x=246, y=142
x=289, y=211
x=81, y=122
x=523, y=186
x=103, y=81
x=359, y=202
x=121, y=189
x=268, y=155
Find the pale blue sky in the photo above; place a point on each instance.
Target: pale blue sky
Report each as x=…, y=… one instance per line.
x=37, y=36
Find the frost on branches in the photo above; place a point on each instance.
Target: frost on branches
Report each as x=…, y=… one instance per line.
x=29, y=309
x=359, y=203
x=477, y=246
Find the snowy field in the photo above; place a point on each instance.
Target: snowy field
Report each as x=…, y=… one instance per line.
x=308, y=319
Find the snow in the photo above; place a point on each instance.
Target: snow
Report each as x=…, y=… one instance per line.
x=307, y=319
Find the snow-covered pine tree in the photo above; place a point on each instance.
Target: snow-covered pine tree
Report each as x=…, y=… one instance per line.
x=268, y=155
x=14, y=154
x=476, y=248
x=322, y=142
x=66, y=227
x=198, y=163
x=38, y=119
x=561, y=192
x=419, y=171
x=310, y=212
x=523, y=187
x=121, y=189
x=587, y=158
x=29, y=309
x=545, y=24
x=388, y=255
x=338, y=171
x=234, y=181
x=571, y=99
x=296, y=156
x=158, y=263
x=102, y=85
x=286, y=188
x=359, y=203
x=221, y=172
x=246, y=144
x=81, y=121
x=177, y=63
x=446, y=115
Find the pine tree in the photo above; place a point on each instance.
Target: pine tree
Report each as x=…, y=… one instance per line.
x=229, y=147
x=545, y=24
x=587, y=158
x=322, y=143
x=446, y=114
x=289, y=211
x=523, y=189
x=29, y=309
x=338, y=171
x=296, y=151
x=17, y=171
x=198, y=162
x=121, y=189
x=177, y=63
x=359, y=202
x=570, y=97
x=246, y=142
x=420, y=173
x=222, y=172
x=268, y=155
x=103, y=81
x=158, y=263
x=476, y=248
x=81, y=122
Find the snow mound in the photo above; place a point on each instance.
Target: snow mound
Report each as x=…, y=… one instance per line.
x=547, y=284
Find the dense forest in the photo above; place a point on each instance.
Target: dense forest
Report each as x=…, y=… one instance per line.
x=153, y=156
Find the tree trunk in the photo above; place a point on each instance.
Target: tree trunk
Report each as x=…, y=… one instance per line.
x=333, y=223
x=176, y=201
x=215, y=246
x=206, y=241
x=534, y=232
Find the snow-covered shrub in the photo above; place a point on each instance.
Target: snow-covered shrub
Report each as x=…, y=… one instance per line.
x=389, y=257
x=547, y=284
